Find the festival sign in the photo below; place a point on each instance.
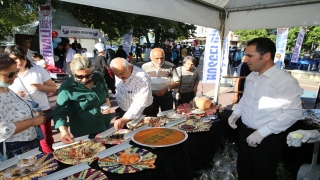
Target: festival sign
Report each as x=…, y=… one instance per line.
x=281, y=43
x=296, y=51
x=211, y=62
x=79, y=32
x=45, y=32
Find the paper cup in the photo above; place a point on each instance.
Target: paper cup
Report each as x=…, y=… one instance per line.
x=296, y=139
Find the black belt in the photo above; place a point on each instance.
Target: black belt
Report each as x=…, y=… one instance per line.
x=249, y=128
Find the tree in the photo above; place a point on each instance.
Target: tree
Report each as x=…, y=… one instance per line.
x=246, y=35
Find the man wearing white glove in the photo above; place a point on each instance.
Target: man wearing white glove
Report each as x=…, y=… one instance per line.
x=271, y=104
x=308, y=136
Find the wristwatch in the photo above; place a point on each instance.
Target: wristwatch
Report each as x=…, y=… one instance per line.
x=169, y=89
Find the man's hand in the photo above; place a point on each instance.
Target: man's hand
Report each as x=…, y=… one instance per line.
x=161, y=92
x=232, y=121
x=66, y=138
x=119, y=123
x=254, y=139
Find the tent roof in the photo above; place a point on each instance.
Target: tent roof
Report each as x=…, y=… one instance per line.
x=244, y=14
x=59, y=18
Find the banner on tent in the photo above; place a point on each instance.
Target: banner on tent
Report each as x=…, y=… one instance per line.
x=45, y=33
x=225, y=57
x=79, y=32
x=211, y=62
x=281, y=43
x=296, y=51
x=126, y=41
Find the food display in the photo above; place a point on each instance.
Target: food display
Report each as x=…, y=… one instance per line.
x=30, y=168
x=311, y=116
x=153, y=122
x=84, y=151
x=159, y=137
x=114, y=138
x=193, y=126
x=141, y=159
x=128, y=158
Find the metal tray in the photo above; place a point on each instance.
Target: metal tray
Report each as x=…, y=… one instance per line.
x=167, y=145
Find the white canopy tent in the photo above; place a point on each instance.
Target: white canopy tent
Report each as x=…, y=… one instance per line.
x=244, y=14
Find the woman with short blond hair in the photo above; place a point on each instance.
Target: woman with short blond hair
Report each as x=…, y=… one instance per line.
x=80, y=97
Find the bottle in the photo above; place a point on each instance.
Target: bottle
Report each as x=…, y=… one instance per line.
x=235, y=72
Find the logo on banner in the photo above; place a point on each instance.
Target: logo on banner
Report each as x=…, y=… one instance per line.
x=45, y=10
x=65, y=31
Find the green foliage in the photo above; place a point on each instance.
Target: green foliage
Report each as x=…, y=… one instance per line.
x=311, y=38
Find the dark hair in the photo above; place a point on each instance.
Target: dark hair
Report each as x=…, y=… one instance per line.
x=130, y=54
x=5, y=61
x=193, y=59
x=35, y=55
x=19, y=52
x=120, y=46
x=263, y=45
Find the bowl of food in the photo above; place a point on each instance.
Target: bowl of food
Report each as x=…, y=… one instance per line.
x=129, y=158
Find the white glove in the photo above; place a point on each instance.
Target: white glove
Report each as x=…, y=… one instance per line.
x=254, y=139
x=307, y=135
x=232, y=120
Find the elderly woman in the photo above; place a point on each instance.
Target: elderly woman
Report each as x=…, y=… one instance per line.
x=189, y=80
x=33, y=84
x=17, y=124
x=79, y=99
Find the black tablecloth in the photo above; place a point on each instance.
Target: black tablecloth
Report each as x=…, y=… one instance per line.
x=179, y=161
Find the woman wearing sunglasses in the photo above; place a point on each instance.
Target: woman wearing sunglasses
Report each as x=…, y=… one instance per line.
x=17, y=125
x=79, y=99
x=32, y=84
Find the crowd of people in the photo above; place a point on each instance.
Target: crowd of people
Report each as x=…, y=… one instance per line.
x=270, y=105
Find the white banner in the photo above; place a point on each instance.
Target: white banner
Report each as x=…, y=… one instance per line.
x=126, y=41
x=296, y=51
x=225, y=57
x=281, y=43
x=45, y=33
x=79, y=32
x=211, y=62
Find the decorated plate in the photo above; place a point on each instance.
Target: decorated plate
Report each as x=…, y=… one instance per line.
x=45, y=164
x=114, y=138
x=201, y=126
x=111, y=164
x=88, y=174
x=84, y=151
x=153, y=122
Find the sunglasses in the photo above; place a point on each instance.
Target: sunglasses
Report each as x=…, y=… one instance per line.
x=88, y=76
x=12, y=74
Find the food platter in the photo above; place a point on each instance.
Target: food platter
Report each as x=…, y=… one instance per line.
x=84, y=151
x=201, y=126
x=112, y=164
x=159, y=137
x=88, y=174
x=114, y=138
x=43, y=165
x=153, y=122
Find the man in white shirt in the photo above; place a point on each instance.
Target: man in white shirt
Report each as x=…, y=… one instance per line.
x=70, y=53
x=134, y=95
x=271, y=104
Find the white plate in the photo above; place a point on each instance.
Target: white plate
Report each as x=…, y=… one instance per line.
x=197, y=111
x=205, y=119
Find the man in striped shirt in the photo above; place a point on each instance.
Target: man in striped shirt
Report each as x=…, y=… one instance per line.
x=134, y=95
x=164, y=78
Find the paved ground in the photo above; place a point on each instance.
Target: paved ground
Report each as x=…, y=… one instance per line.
x=225, y=94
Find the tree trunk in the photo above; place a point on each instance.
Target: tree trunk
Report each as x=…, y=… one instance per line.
x=157, y=36
x=148, y=41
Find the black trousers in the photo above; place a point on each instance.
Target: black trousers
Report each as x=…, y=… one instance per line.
x=110, y=81
x=186, y=97
x=259, y=163
x=165, y=103
x=148, y=111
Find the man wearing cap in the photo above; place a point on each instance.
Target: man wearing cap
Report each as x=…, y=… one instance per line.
x=164, y=78
x=70, y=53
x=121, y=53
x=134, y=94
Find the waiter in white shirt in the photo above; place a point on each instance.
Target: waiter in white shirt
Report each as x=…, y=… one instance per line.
x=134, y=94
x=70, y=53
x=271, y=104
